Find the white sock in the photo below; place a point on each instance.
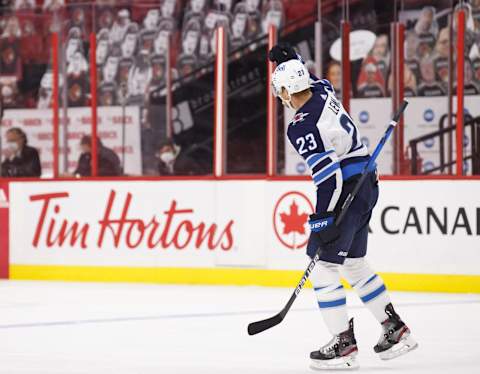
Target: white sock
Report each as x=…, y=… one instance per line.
x=368, y=285
x=331, y=296
x=374, y=295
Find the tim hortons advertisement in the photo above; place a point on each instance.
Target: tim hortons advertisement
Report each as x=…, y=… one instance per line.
x=127, y=223
x=417, y=226
x=38, y=125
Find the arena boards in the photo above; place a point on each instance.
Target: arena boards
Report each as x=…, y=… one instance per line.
x=424, y=233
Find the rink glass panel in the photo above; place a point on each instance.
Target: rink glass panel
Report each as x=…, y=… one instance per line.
x=132, y=94
x=26, y=78
x=131, y=58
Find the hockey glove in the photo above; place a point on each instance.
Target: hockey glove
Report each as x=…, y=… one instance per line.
x=282, y=52
x=323, y=231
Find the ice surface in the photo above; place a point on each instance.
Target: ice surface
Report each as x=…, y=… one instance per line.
x=48, y=327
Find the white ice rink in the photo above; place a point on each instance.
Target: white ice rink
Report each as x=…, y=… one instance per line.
x=48, y=327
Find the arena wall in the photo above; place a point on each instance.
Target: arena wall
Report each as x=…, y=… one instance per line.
x=425, y=234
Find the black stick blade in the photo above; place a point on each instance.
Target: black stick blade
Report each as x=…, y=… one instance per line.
x=259, y=326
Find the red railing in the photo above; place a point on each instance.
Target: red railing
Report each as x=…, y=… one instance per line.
x=460, y=87
x=55, y=104
x=93, y=93
x=271, y=110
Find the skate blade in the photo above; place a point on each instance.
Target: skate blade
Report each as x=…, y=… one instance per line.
x=342, y=363
x=404, y=346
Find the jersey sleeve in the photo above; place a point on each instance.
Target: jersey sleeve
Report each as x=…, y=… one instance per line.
x=322, y=161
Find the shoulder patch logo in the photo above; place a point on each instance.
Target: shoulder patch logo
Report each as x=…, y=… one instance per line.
x=299, y=117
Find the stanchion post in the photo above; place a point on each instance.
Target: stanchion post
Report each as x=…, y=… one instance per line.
x=93, y=103
x=220, y=108
x=346, y=73
x=55, y=103
x=271, y=109
x=460, y=88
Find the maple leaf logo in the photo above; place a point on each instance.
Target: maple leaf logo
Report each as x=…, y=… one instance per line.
x=293, y=221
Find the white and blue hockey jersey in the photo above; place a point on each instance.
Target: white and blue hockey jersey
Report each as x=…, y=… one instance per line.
x=324, y=134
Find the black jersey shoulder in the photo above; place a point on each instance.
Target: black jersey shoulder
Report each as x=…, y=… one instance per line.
x=323, y=86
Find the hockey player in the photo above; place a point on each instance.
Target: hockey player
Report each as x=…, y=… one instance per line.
x=324, y=134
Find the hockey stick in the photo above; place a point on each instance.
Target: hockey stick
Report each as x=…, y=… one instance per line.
x=259, y=326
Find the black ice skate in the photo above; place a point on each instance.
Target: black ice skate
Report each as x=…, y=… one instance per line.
x=338, y=354
x=395, y=340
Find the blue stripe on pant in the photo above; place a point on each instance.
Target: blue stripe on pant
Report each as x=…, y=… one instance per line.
x=333, y=303
x=373, y=294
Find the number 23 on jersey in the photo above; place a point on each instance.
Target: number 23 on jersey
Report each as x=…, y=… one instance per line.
x=306, y=143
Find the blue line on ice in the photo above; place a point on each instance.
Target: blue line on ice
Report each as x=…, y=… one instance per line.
x=210, y=314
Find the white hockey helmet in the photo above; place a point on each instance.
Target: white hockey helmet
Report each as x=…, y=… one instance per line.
x=292, y=75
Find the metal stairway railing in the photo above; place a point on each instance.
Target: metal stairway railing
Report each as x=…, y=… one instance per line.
x=472, y=125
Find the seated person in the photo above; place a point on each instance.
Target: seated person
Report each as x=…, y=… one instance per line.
x=173, y=160
x=167, y=154
x=108, y=161
x=21, y=159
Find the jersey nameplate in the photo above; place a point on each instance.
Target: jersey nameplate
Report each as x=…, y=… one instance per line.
x=334, y=106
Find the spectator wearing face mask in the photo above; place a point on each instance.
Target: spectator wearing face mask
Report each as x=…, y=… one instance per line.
x=174, y=160
x=21, y=159
x=167, y=154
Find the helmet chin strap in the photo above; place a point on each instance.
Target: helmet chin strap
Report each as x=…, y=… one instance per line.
x=287, y=102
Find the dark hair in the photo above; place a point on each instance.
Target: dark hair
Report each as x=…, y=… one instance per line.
x=87, y=140
x=19, y=132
